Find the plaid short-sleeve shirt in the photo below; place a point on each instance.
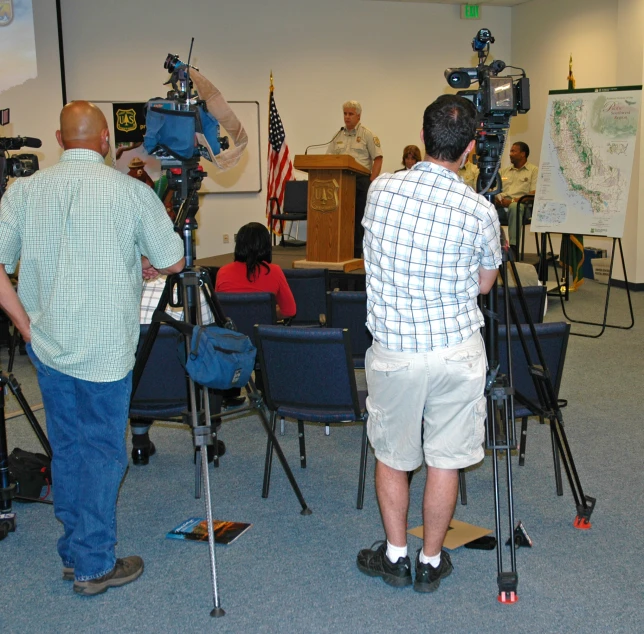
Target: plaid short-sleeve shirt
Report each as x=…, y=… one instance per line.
x=426, y=235
x=79, y=229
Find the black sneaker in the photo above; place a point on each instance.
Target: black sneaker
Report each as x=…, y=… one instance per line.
x=125, y=571
x=429, y=578
x=375, y=564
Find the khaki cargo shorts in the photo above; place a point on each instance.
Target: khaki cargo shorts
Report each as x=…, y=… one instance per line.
x=440, y=391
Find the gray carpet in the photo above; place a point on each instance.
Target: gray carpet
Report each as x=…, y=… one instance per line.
x=291, y=573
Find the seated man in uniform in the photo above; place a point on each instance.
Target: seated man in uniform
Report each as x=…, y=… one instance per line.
x=518, y=180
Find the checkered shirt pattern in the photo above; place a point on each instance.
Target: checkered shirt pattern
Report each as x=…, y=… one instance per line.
x=426, y=235
x=152, y=290
x=79, y=229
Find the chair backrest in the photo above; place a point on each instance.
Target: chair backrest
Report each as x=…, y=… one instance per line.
x=526, y=204
x=162, y=392
x=309, y=287
x=296, y=197
x=346, y=309
x=308, y=373
x=535, y=298
x=248, y=309
x=553, y=338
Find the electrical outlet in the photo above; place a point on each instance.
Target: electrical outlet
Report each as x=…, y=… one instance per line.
x=226, y=238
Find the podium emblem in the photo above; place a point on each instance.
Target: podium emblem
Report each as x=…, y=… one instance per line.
x=325, y=195
x=6, y=12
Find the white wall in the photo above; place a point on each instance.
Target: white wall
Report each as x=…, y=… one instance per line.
x=35, y=105
x=388, y=55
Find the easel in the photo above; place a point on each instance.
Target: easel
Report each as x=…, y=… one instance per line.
x=565, y=258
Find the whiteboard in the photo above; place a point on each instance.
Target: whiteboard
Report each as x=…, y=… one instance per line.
x=244, y=178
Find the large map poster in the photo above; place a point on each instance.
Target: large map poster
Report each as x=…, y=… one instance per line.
x=586, y=161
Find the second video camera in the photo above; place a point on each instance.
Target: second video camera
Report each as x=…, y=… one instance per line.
x=498, y=97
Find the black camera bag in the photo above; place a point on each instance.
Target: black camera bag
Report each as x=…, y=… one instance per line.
x=30, y=471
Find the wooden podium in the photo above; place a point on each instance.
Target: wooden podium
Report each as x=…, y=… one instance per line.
x=331, y=211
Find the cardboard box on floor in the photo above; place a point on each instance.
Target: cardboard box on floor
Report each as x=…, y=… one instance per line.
x=458, y=533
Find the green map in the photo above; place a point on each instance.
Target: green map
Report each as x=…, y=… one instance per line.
x=586, y=161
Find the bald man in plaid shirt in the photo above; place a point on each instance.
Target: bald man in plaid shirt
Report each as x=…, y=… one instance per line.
x=431, y=246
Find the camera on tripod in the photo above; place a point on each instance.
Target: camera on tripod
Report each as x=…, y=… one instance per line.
x=19, y=165
x=497, y=100
x=498, y=97
x=179, y=127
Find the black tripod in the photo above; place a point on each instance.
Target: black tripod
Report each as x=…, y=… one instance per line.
x=501, y=434
x=183, y=289
x=7, y=488
x=500, y=430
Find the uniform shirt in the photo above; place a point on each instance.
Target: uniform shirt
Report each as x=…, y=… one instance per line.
x=469, y=173
x=518, y=182
x=359, y=143
x=426, y=235
x=232, y=278
x=79, y=229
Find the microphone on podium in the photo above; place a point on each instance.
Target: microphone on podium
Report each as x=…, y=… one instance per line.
x=327, y=143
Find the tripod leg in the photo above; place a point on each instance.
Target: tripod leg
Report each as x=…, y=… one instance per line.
x=14, y=386
x=556, y=461
x=217, y=610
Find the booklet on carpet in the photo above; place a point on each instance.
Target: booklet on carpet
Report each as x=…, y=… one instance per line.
x=195, y=529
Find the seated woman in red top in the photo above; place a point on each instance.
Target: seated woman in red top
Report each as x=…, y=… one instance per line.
x=253, y=272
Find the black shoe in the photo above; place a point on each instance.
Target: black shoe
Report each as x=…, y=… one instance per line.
x=429, y=578
x=141, y=455
x=221, y=450
x=234, y=402
x=375, y=564
x=125, y=571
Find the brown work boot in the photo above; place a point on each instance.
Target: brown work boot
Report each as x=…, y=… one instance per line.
x=125, y=571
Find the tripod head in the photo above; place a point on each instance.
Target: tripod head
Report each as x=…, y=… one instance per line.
x=184, y=181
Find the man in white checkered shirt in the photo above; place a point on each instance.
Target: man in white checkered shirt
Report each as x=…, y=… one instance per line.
x=431, y=246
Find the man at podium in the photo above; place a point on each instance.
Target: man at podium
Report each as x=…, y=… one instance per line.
x=360, y=143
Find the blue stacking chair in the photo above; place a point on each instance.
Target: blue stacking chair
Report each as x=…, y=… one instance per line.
x=348, y=309
x=535, y=299
x=294, y=210
x=309, y=287
x=309, y=376
x=553, y=338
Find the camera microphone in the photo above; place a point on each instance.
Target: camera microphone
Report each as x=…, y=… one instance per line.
x=17, y=142
x=29, y=141
x=327, y=143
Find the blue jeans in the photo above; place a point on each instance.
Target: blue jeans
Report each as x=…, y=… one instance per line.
x=86, y=424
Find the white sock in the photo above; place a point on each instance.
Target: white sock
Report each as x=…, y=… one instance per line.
x=434, y=561
x=394, y=553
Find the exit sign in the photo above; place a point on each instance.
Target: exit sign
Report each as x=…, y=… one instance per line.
x=470, y=12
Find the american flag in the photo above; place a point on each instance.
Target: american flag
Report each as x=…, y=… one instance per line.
x=280, y=168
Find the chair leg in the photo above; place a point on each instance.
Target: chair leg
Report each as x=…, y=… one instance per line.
x=327, y=431
x=363, y=467
x=300, y=433
x=269, y=457
x=282, y=425
x=462, y=486
x=524, y=438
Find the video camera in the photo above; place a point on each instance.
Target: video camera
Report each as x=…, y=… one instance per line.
x=18, y=165
x=497, y=99
x=179, y=127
